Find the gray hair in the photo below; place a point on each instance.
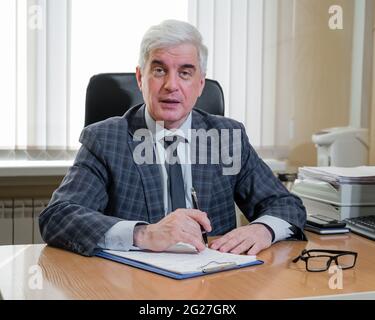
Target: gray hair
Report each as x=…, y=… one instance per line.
x=170, y=33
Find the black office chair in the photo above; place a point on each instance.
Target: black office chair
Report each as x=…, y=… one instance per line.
x=112, y=94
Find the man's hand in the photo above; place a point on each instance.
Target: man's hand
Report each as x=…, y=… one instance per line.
x=182, y=225
x=251, y=239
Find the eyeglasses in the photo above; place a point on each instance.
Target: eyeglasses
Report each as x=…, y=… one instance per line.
x=317, y=260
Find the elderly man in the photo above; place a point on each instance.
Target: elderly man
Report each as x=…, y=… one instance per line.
x=109, y=199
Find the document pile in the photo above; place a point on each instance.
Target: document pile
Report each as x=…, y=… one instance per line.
x=339, y=175
x=323, y=225
x=337, y=192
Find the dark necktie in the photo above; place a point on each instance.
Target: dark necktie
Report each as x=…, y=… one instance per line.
x=176, y=182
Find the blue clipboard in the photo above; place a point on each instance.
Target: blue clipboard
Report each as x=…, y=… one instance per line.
x=174, y=275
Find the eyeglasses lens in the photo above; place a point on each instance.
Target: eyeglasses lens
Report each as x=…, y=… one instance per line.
x=346, y=261
x=317, y=263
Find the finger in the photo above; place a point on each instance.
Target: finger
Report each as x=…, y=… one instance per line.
x=180, y=220
x=191, y=226
x=230, y=244
x=243, y=246
x=197, y=215
x=217, y=243
x=256, y=248
x=184, y=211
x=194, y=232
x=201, y=218
x=194, y=241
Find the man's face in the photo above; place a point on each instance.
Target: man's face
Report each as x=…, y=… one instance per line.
x=171, y=82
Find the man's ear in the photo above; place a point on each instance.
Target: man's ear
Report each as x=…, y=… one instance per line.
x=138, y=75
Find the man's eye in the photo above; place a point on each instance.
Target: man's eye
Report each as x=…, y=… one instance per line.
x=185, y=74
x=158, y=72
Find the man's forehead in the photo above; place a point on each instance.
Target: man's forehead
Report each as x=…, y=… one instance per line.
x=184, y=54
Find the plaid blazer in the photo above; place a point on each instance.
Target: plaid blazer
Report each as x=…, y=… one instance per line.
x=105, y=186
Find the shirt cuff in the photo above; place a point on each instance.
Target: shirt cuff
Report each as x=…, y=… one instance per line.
x=120, y=236
x=280, y=227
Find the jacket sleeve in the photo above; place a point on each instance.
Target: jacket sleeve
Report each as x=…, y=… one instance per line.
x=258, y=192
x=74, y=218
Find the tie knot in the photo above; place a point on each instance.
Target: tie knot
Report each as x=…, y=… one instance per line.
x=168, y=140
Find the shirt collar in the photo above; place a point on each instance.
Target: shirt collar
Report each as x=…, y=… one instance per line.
x=159, y=132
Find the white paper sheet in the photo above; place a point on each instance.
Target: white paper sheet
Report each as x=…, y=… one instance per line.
x=184, y=263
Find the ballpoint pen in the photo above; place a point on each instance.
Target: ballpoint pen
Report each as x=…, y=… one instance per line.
x=195, y=202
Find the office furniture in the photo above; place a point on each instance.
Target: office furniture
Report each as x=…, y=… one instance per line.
x=65, y=275
x=338, y=193
x=342, y=146
x=112, y=94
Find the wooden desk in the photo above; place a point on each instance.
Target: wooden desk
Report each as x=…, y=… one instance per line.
x=64, y=275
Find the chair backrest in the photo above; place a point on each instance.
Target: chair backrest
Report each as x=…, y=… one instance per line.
x=112, y=94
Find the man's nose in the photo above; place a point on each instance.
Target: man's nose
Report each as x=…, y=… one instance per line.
x=171, y=82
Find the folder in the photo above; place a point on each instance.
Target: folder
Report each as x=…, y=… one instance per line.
x=181, y=265
x=326, y=230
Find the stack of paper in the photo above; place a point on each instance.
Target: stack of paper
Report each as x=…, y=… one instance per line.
x=339, y=175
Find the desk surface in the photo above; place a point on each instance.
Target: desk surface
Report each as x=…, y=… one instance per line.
x=43, y=272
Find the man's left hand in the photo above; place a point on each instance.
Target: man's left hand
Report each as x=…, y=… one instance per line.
x=251, y=239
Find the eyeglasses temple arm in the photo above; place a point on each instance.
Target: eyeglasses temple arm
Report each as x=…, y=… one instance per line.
x=296, y=259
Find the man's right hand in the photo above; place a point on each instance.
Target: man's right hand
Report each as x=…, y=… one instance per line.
x=182, y=225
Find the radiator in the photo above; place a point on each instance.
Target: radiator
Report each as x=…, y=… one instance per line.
x=19, y=220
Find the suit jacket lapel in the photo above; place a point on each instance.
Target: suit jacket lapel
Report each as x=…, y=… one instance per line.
x=202, y=173
x=149, y=172
x=202, y=170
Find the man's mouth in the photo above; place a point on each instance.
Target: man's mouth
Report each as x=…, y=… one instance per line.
x=170, y=101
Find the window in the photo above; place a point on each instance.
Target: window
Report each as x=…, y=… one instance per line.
x=55, y=46
x=105, y=37
x=34, y=73
x=8, y=75
x=284, y=72
x=50, y=49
